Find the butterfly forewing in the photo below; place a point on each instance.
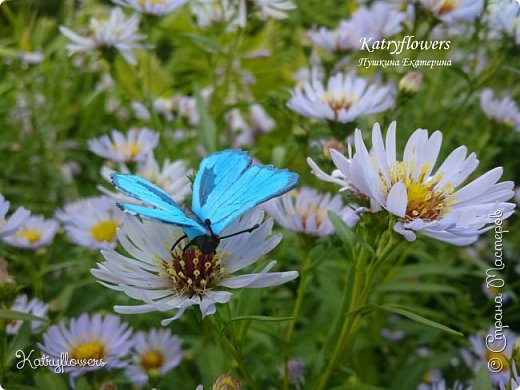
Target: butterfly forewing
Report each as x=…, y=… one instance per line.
x=235, y=192
x=216, y=173
x=166, y=209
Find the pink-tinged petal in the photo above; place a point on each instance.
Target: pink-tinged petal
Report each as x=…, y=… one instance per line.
x=480, y=185
x=408, y=234
x=262, y=279
x=390, y=144
x=397, y=200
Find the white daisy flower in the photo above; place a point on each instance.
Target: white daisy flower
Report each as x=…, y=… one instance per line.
x=502, y=110
x=305, y=210
x=276, y=9
x=164, y=107
x=92, y=222
x=166, y=280
x=505, y=18
x=116, y=32
x=492, y=292
x=140, y=111
x=9, y=225
x=31, y=57
x=34, y=233
x=101, y=338
x=34, y=307
x=259, y=122
x=152, y=7
x=493, y=352
x=333, y=40
x=172, y=176
x=379, y=21
x=136, y=145
x=209, y=12
x=345, y=98
x=154, y=354
x=431, y=378
x=422, y=199
x=453, y=11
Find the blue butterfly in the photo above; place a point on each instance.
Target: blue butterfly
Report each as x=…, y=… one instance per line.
x=227, y=185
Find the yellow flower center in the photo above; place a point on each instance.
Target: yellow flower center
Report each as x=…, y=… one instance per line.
x=89, y=350
x=30, y=235
x=338, y=103
x=498, y=361
x=509, y=122
x=193, y=272
x=145, y=2
x=426, y=378
x=426, y=200
x=152, y=360
x=319, y=215
x=129, y=149
x=104, y=230
x=447, y=6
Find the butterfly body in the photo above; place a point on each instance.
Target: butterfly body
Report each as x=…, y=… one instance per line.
x=227, y=185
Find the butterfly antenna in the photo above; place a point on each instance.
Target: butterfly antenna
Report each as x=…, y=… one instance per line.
x=242, y=231
x=178, y=241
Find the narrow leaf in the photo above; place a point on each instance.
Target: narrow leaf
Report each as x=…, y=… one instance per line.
x=207, y=129
x=260, y=318
x=417, y=318
x=17, y=315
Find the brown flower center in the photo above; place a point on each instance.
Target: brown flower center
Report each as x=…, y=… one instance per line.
x=193, y=271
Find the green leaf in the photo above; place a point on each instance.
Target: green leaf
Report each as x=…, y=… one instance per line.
x=207, y=129
x=203, y=42
x=416, y=270
x=416, y=287
x=345, y=233
x=483, y=379
x=17, y=315
x=50, y=381
x=418, y=318
x=260, y=318
x=357, y=386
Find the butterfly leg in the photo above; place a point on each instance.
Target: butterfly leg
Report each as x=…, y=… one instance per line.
x=249, y=230
x=186, y=247
x=178, y=241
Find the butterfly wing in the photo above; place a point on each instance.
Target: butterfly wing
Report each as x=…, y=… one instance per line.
x=228, y=185
x=166, y=210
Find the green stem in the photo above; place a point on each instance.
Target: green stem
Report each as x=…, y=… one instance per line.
x=353, y=304
x=357, y=297
x=3, y=350
x=295, y=314
x=228, y=345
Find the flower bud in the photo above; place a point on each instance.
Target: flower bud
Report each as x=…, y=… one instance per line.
x=411, y=82
x=226, y=382
x=8, y=288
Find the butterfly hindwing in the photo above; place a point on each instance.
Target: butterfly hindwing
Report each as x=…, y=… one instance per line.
x=166, y=209
x=235, y=186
